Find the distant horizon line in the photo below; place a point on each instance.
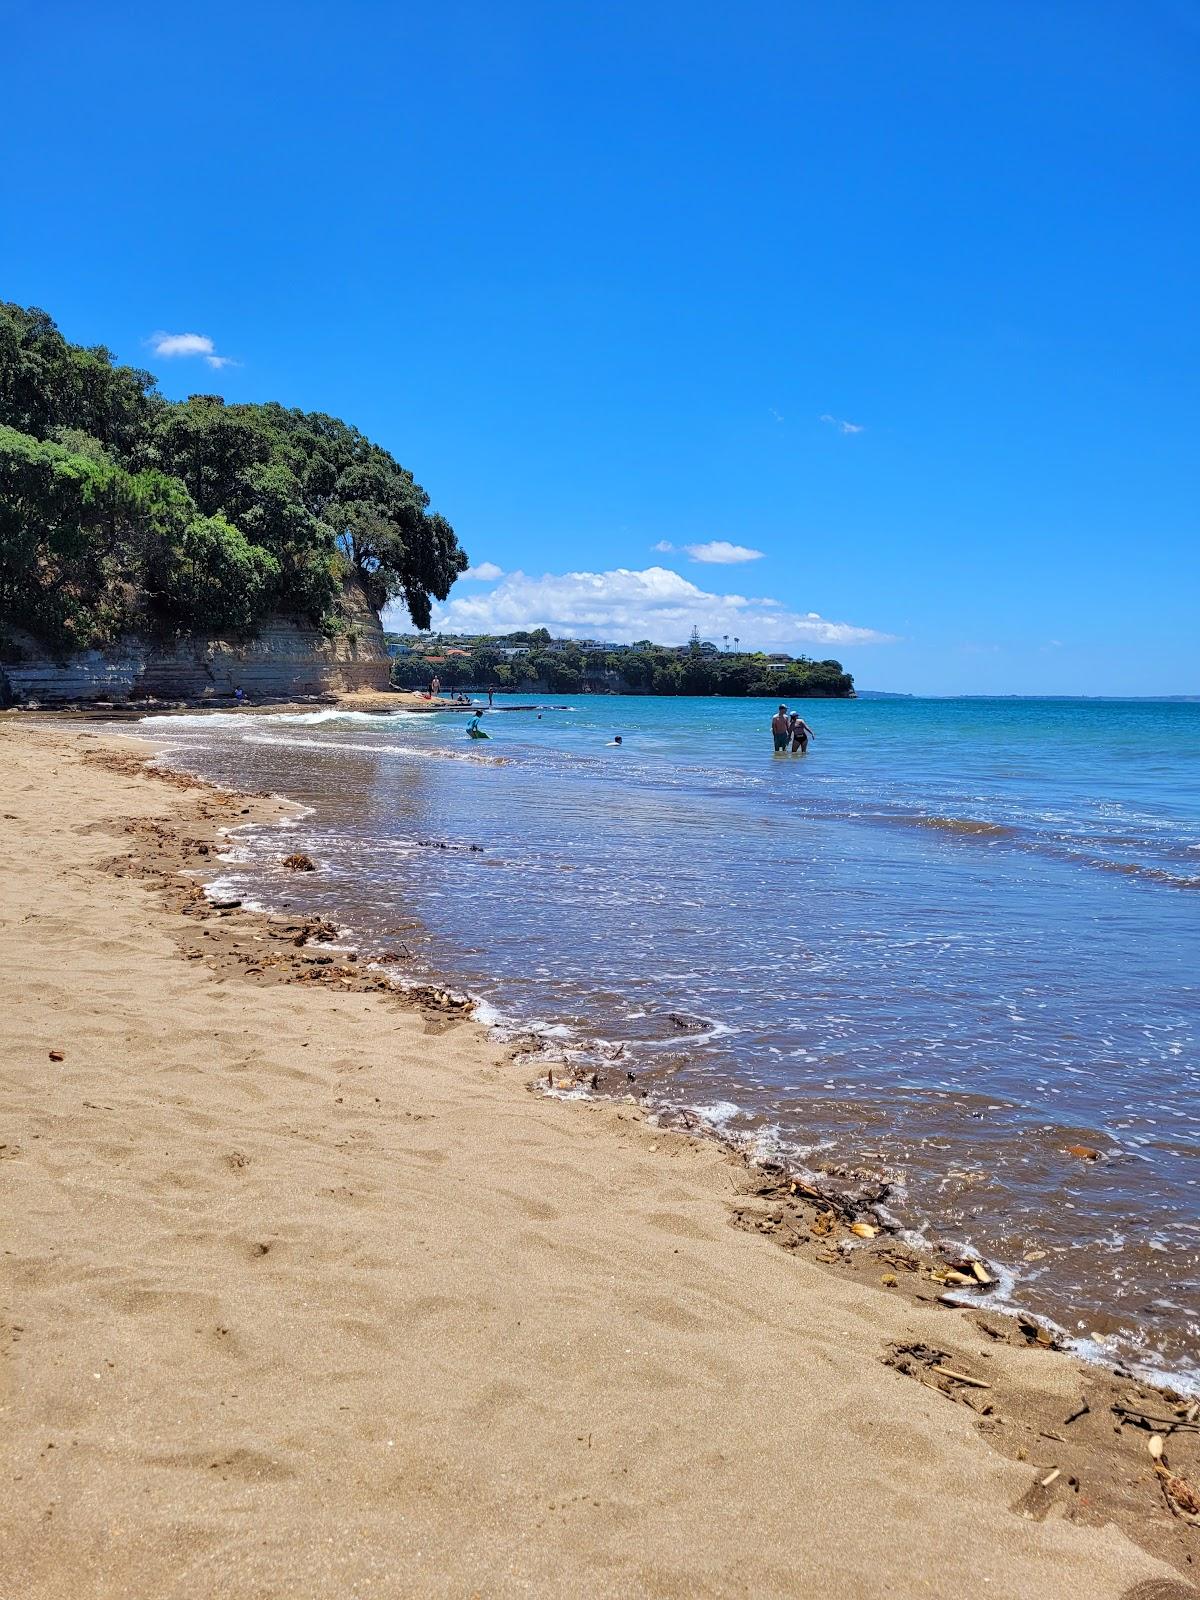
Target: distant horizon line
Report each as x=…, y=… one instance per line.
x=903, y=694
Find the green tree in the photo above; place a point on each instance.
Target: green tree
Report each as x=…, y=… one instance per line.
x=562, y=676
x=735, y=677
x=210, y=447
x=57, y=511
x=219, y=577
x=286, y=504
x=46, y=383
x=411, y=672
x=637, y=667
x=484, y=663
x=696, y=676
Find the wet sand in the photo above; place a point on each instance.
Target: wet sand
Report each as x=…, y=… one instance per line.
x=307, y=1292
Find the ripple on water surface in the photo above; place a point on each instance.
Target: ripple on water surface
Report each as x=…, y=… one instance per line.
x=893, y=956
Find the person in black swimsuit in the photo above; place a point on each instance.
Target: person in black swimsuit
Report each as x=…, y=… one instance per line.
x=801, y=733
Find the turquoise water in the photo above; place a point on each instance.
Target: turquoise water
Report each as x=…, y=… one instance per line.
x=952, y=940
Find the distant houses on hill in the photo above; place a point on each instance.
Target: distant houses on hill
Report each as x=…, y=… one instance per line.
x=465, y=644
x=531, y=659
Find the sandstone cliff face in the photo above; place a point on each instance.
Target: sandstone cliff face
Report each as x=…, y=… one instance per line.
x=285, y=658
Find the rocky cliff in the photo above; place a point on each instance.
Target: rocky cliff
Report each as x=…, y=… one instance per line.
x=285, y=658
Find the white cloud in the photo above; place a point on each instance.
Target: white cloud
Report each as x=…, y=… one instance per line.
x=840, y=425
x=189, y=344
x=721, y=553
x=624, y=605
x=485, y=572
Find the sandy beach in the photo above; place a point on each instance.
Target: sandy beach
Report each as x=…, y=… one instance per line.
x=309, y=1292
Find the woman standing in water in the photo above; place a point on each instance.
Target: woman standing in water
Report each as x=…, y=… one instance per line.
x=801, y=733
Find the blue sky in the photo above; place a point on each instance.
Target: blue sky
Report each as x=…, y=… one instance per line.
x=611, y=278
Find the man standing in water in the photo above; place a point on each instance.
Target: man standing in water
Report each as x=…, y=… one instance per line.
x=781, y=729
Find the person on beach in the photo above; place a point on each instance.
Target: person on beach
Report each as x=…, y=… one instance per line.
x=489, y=699
x=781, y=729
x=435, y=688
x=801, y=733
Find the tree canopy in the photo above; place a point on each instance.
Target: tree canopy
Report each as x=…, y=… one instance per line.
x=645, y=668
x=121, y=510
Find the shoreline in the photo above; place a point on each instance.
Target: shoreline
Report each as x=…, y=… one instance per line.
x=135, y=710
x=1021, y=1405
x=950, y=1264
x=868, y=1197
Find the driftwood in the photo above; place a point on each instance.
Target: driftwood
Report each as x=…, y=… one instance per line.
x=1136, y=1417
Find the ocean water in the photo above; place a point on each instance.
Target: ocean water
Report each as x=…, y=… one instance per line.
x=953, y=940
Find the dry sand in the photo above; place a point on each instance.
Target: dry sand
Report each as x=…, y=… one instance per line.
x=307, y=1294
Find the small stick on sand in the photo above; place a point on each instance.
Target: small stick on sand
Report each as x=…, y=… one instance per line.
x=961, y=1377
